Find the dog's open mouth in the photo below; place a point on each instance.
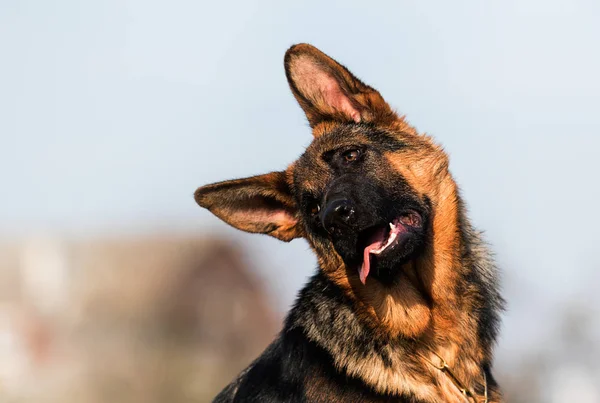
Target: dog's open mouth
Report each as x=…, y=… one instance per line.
x=380, y=239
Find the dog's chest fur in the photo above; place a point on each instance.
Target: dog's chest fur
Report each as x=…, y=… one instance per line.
x=323, y=355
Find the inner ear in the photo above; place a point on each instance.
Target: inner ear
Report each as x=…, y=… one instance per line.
x=259, y=204
x=326, y=90
x=319, y=87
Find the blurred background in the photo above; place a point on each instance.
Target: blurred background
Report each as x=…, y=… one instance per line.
x=116, y=287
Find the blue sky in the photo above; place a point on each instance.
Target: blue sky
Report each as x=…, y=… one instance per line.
x=113, y=112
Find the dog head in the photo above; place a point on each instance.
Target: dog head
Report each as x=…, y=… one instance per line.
x=366, y=193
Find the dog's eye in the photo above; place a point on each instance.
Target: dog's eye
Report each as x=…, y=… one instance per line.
x=314, y=209
x=350, y=155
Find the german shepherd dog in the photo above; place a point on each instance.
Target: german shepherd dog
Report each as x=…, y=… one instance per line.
x=404, y=306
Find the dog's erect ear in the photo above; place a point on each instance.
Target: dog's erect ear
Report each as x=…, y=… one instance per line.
x=326, y=90
x=260, y=204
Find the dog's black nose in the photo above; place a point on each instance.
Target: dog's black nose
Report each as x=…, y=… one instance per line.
x=338, y=215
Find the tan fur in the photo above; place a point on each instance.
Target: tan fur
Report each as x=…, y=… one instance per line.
x=399, y=311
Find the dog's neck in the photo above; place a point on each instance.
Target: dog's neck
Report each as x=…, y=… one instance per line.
x=376, y=333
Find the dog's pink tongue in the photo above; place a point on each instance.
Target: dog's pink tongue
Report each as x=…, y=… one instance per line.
x=375, y=243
